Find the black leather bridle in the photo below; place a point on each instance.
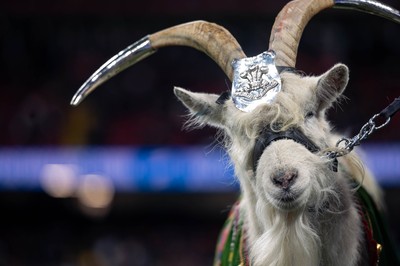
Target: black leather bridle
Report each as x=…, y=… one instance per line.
x=268, y=136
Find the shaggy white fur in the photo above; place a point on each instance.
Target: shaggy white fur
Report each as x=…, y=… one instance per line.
x=314, y=220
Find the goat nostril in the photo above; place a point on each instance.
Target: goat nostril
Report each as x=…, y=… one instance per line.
x=284, y=179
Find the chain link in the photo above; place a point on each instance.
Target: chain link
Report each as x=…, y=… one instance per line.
x=346, y=145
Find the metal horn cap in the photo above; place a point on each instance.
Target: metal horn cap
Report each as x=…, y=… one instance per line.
x=124, y=59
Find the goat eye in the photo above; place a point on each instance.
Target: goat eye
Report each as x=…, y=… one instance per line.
x=310, y=115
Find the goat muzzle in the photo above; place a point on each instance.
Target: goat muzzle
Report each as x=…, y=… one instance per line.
x=268, y=136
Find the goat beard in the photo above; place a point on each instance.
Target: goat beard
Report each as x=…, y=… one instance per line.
x=289, y=239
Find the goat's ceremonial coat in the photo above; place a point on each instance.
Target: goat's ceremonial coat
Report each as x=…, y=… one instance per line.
x=232, y=248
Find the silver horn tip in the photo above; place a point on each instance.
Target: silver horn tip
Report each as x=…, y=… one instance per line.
x=119, y=62
x=77, y=99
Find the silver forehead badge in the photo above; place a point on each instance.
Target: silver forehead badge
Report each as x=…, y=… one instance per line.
x=255, y=81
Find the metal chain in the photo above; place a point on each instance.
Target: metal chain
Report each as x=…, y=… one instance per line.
x=346, y=145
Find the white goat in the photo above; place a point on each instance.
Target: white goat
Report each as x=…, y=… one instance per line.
x=296, y=207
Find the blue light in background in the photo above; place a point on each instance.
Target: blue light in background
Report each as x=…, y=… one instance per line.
x=189, y=169
x=384, y=161
x=162, y=169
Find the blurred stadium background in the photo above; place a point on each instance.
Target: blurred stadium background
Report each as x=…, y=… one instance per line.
x=116, y=181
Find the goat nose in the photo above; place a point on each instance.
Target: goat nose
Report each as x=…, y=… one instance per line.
x=284, y=178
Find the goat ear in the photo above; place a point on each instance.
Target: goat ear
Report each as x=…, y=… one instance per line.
x=202, y=107
x=331, y=85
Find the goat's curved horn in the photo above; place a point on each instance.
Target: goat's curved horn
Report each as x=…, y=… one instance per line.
x=291, y=21
x=209, y=38
x=288, y=28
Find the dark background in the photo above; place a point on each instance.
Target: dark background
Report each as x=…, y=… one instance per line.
x=49, y=48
